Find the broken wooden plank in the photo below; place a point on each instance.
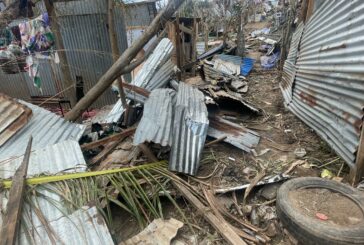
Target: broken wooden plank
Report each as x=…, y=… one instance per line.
x=14, y=207
x=222, y=227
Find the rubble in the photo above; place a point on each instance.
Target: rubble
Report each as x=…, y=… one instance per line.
x=205, y=139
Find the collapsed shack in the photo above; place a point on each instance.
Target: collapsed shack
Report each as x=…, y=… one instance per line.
x=105, y=163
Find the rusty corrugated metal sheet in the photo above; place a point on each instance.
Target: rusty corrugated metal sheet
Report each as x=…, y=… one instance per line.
x=46, y=128
x=236, y=135
x=13, y=117
x=328, y=86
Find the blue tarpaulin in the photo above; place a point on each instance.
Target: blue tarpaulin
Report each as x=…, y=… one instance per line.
x=246, y=66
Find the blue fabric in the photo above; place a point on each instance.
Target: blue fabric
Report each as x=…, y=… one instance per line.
x=246, y=66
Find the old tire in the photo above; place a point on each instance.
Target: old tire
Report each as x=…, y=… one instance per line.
x=308, y=231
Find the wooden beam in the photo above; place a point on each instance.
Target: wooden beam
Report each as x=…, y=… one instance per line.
x=357, y=173
x=185, y=29
x=219, y=224
x=119, y=67
x=115, y=52
x=67, y=78
x=11, y=221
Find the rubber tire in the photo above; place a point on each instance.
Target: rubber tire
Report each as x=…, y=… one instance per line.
x=305, y=229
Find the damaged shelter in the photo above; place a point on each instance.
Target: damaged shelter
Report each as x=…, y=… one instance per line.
x=118, y=127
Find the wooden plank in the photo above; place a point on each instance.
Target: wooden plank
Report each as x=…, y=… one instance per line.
x=219, y=224
x=185, y=29
x=14, y=207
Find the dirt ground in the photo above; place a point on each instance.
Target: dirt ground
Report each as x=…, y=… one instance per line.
x=326, y=206
x=282, y=133
x=282, y=137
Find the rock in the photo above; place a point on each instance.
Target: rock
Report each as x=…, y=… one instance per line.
x=300, y=152
x=269, y=192
x=247, y=209
x=272, y=230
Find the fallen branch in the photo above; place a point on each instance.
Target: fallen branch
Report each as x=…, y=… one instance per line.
x=119, y=67
x=253, y=183
x=222, y=227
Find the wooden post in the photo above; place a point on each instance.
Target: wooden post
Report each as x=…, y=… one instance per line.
x=116, y=54
x=357, y=173
x=67, y=78
x=11, y=222
x=122, y=65
x=194, y=42
x=178, y=48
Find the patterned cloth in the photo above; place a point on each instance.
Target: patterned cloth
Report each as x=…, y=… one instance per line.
x=36, y=36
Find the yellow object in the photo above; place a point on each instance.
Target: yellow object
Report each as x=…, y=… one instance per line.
x=54, y=178
x=327, y=174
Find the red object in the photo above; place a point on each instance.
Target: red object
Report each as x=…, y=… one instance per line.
x=321, y=216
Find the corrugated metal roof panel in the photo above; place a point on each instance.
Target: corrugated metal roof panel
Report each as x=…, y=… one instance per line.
x=189, y=130
x=13, y=117
x=46, y=128
x=329, y=82
x=157, y=121
x=289, y=66
x=155, y=73
x=84, y=226
x=236, y=135
x=49, y=160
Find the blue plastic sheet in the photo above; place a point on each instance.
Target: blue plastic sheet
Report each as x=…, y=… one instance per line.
x=246, y=66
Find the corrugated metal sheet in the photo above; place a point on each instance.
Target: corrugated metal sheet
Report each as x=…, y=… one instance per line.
x=157, y=121
x=329, y=82
x=189, y=130
x=85, y=36
x=45, y=127
x=155, y=73
x=14, y=85
x=86, y=40
x=49, y=160
x=200, y=48
x=236, y=135
x=160, y=56
x=289, y=66
x=140, y=14
x=13, y=116
x=84, y=226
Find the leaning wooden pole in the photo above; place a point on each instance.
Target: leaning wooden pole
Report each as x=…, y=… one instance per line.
x=69, y=85
x=119, y=67
x=114, y=48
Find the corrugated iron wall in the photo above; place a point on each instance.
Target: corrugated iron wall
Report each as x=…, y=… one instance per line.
x=85, y=36
x=328, y=75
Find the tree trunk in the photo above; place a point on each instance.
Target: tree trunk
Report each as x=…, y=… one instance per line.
x=240, y=49
x=118, y=68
